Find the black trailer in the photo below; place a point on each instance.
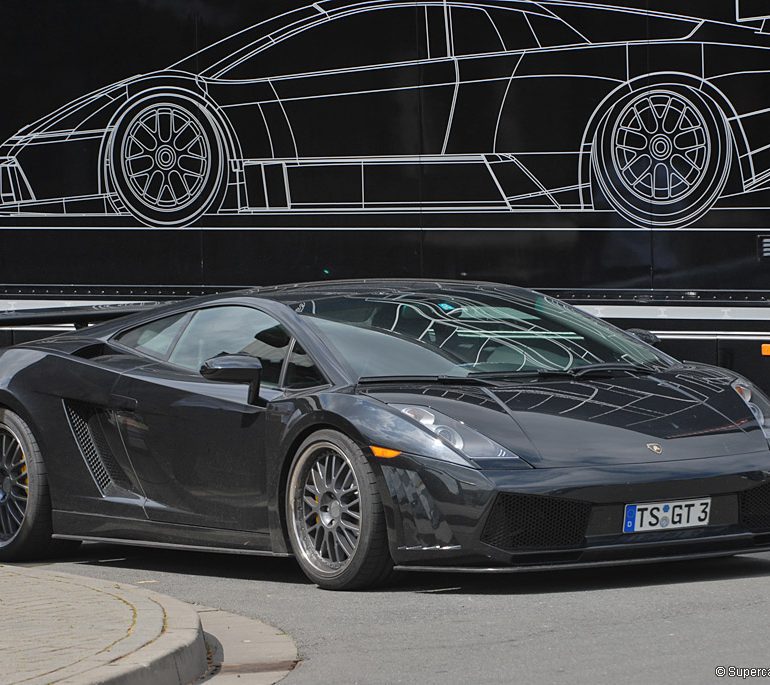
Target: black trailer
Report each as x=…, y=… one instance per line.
x=615, y=154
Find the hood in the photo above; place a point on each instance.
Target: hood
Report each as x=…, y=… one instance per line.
x=687, y=413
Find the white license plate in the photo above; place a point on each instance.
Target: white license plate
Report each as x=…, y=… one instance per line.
x=688, y=513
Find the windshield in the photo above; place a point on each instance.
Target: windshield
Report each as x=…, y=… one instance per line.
x=467, y=332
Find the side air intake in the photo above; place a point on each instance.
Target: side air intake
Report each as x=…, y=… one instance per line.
x=85, y=421
x=531, y=522
x=755, y=508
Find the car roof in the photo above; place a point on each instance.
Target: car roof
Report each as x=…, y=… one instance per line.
x=298, y=292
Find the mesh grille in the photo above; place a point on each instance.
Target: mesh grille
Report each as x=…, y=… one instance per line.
x=536, y=522
x=755, y=507
x=84, y=420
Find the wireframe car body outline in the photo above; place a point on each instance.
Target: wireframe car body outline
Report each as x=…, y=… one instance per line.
x=441, y=106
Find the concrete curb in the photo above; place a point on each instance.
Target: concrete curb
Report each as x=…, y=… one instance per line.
x=176, y=657
x=244, y=651
x=163, y=646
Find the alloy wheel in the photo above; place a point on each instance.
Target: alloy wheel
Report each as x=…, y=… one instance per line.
x=14, y=485
x=325, y=507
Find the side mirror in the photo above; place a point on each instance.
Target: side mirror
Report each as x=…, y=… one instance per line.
x=645, y=336
x=235, y=368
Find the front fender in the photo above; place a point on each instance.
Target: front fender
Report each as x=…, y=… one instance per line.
x=364, y=420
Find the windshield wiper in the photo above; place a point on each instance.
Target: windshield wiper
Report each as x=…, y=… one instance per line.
x=606, y=369
x=444, y=380
x=610, y=368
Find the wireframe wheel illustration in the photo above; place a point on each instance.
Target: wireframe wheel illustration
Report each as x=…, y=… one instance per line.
x=334, y=514
x=662, y=156
x=25, y=505
x=166, y=161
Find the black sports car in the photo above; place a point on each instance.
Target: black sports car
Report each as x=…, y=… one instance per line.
x=389, y=106
x=367, y=425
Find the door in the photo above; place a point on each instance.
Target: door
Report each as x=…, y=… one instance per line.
x=198, y=445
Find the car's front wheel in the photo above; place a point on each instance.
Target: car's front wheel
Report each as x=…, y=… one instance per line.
x=662, y=156
x=335, y=516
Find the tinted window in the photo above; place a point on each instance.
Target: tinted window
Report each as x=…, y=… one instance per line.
x=474, y=33
x=457, y=333
x=372, y=352
x=355, y=40
x=233, y=330
x=154, y=338
x=301, y=371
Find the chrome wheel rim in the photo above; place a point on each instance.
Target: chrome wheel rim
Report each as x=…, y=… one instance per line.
x=325, y=508
x=14, y=485
x=661, y=147
x=166, y=157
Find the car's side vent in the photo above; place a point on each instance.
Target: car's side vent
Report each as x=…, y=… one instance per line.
x=85, y=421
x=530, y=522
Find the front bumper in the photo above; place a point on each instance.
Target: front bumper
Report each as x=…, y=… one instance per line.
x=446, y=516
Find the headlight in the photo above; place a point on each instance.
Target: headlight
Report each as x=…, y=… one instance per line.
x=472, y=444
x=757, y=402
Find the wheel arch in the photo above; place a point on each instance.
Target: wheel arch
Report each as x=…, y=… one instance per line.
x=740, y=146
x=9, y=401
x=187, y=86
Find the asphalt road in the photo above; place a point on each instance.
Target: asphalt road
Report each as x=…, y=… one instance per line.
x=645, y=624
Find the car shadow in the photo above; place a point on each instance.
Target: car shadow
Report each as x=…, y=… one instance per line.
x=598, y=578
x=286, y=570
x=235, y=566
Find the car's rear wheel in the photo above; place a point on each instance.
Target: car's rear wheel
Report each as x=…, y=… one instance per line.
x=167, y=161
x=662, y=156
x=335, y=516
x=25, y=503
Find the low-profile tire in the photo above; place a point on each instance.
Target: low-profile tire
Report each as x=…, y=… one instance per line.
x=334, y=514
x=166, y=160
x=662, y=156
x=25, y=502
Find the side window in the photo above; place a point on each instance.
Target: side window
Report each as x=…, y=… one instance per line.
x=360, y=39
x=154, y=338
x=233, y=330
x=473, y=32
x=515, y=29
x=301, y=371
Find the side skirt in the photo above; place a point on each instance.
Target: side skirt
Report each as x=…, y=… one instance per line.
x=143, y=533
x=170, y=545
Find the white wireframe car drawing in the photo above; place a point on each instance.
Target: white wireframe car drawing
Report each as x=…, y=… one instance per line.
x=388, y=106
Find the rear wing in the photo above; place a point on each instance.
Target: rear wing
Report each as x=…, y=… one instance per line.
x=77, y=316
x=24, y=325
